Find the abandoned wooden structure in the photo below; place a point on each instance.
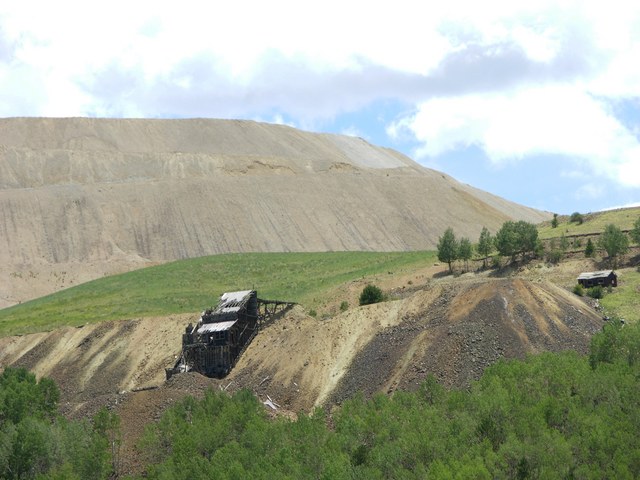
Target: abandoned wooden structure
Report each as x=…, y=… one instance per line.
x=213, y=346
x=605, y=278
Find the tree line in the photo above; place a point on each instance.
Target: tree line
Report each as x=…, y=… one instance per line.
x=513, y=239
x=520, y=239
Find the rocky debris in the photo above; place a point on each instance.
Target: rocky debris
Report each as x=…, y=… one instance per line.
x=465, y=329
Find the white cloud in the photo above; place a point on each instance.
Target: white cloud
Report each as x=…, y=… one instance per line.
x=558, y=120
x=516, y=79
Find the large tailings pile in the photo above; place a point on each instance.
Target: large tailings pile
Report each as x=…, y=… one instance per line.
x=85, y=197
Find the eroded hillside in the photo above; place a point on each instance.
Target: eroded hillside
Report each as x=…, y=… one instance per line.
x=450, y=330
x=80, y=198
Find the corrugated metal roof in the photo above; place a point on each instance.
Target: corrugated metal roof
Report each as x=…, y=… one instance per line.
x=234, y=297
x=600, y=274
x=216, y=327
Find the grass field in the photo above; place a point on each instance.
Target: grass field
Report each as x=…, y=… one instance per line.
x=624, y=301
x=593, y=223
x=194, y=284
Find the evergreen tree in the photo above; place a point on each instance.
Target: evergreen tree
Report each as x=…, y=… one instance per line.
x=448, y=248
x=554, y=222
x=465, y=251
x=485, y=245
x=590, y=249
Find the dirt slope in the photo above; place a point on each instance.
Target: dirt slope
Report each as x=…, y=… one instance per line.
x=452, y=330
x=80, y=198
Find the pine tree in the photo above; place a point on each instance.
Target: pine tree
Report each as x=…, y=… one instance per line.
x=448, y=248
x=485, y=245
x=465, y=251
x=590, y=249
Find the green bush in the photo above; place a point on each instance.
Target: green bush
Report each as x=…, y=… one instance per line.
x=313, y=313
x=589, y=249
x=344, y=306
x=578, y=290
x=577, y=218
x=596, y=292
x=371, y=294
x=36, y=442
x=555, y=255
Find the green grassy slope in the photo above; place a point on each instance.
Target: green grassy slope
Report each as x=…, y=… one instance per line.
x=623, y=301
x=594, y=223
x=194, y=284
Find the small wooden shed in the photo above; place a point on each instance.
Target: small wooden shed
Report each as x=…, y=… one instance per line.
x=605, y=278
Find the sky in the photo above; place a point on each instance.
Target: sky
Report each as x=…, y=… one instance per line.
x=536, y=101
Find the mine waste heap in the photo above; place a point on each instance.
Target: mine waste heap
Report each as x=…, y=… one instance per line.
x=212, y=347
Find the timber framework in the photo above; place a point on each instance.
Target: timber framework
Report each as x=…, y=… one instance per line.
x=214, y=344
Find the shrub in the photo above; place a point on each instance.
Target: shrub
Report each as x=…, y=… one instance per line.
x=370, y=294
x=555, y=255
x=344, y=306
x=577, y=218
x=596, y=292
x=589, y=249
x=578, y=290
x=313, y=313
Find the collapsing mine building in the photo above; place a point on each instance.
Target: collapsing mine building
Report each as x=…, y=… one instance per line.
x=215, y=343
x=212, y=346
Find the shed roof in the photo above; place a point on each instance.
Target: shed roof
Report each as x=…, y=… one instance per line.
x=216, y=327
x=229, y=305
x=233, y=299
x=599, y=274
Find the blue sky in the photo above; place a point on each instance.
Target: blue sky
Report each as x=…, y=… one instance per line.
x=538, y=102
